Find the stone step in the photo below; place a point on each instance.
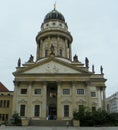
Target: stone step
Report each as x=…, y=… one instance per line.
x=50, y=123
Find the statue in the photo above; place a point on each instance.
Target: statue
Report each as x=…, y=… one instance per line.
x=101, y=69
x=52, y=49
x=75, y=58
x=93, y=69
x=31, y=58
x=87, y=62
x=19, y=62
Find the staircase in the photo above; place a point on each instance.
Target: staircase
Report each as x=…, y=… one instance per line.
x=50, y=123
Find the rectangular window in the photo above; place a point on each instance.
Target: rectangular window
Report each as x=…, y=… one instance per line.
x=66, y=110
x=3, y=117
x=0, y=103
x=46, y=52
x=66, y=91
x=81, y=107
x=6, y=117
x=8, y=102
x=23, y=91
x=37, y=91
x=93, y=94
x=93, y=109
x=22, y=110
x=37, y=110
x=80, y=91
x=4, y=103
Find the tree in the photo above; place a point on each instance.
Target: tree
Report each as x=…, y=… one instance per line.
x=16, y=118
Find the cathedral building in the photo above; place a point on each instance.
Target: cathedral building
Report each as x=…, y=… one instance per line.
x=54, y=85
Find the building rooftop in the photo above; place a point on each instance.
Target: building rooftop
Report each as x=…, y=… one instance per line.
x=3, y=88
x=54, y=15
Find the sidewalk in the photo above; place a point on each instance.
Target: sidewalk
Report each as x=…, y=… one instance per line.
x=55, y=128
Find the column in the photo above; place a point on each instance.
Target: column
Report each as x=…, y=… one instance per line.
x=44, y=101
x=88, y=96
x=29, y=100
x=41, y=49
x=15, y=97
x=38, y=51
x=74, y=96
x=59, y=106
x=66, y=49
x=70, y=52
x=99, y=97
x=104, y=97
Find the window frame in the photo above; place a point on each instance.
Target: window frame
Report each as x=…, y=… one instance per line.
x=93, y=94
x=36, y=110
x=23, y=91
x=80, y=91
x=37, y=93
x=46, y=52
x=66, y=110
x=93, y=108
x=66, y=91
x=22, y=110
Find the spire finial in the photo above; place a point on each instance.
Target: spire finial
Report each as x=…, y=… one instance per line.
x=55, y=6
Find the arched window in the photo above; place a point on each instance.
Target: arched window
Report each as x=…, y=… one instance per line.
x=46, y=53
x=60, y=52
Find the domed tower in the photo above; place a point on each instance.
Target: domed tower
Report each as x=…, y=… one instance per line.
x=54, y=37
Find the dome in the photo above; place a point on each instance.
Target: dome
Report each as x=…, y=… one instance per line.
x=54, y=15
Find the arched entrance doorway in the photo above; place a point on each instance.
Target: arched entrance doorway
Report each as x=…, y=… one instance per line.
x=52, y=101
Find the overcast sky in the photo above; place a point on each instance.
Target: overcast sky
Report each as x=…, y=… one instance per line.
x=92, y=23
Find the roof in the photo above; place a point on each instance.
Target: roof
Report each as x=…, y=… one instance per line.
x=54, y=14
x=3, y=88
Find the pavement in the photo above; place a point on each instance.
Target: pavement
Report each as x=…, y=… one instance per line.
x=55, y=128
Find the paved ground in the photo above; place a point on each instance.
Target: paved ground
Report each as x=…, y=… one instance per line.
x=56, y=128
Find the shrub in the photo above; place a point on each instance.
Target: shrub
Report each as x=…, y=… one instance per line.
x=96, y=118
x=17, y=119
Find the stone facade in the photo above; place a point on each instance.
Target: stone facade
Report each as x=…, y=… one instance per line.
x=6, y=99
x=54, y=85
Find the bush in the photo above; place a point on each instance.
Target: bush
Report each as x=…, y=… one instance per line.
x=96, y=118
x=17, y=119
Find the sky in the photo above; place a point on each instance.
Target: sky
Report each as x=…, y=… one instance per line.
x=92, y=23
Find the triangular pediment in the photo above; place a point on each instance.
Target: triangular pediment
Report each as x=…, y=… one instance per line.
x=51, y=67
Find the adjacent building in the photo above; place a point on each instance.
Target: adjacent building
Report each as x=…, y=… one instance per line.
x=112, y=103
x=6, y=98
x=55, y=84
